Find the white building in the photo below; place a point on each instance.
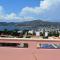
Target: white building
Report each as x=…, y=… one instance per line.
x=37, y=33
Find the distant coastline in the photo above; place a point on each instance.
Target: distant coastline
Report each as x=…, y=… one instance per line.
x=28, y=25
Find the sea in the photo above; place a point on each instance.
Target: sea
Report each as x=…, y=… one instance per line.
x=14, y=27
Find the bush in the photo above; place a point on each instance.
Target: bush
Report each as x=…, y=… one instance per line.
x=54, y=33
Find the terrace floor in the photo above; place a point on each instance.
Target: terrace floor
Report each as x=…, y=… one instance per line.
x=13, y=53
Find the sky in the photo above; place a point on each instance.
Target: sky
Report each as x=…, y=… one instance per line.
x=29, y=10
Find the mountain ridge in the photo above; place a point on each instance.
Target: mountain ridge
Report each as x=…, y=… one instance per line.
x=34, y=23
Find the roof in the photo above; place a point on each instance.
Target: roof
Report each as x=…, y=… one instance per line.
x=11, y=53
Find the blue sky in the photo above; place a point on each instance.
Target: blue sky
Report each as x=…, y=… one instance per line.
x=17, y=5
x=27, y=10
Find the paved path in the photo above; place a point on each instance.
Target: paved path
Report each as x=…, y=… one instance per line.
x=11, y=53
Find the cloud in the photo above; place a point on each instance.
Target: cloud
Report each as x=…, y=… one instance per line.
x=12, y=17
x=2, y=13
x=47, y=10
x=36, y=10
x=1, y=10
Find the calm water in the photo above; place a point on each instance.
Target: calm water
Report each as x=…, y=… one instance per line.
x=14, y=27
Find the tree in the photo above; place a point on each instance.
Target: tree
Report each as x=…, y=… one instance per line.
x=5, y=31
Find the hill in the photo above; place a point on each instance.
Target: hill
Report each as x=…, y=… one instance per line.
x=32, y=24
x=39, y=23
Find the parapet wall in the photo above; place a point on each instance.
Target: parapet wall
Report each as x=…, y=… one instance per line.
x=31, y=43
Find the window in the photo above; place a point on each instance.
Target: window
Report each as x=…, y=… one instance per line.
x=8, y=44
x=49, y=46
x=23, y=45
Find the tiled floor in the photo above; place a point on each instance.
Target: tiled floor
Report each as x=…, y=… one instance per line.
x=11, y=53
